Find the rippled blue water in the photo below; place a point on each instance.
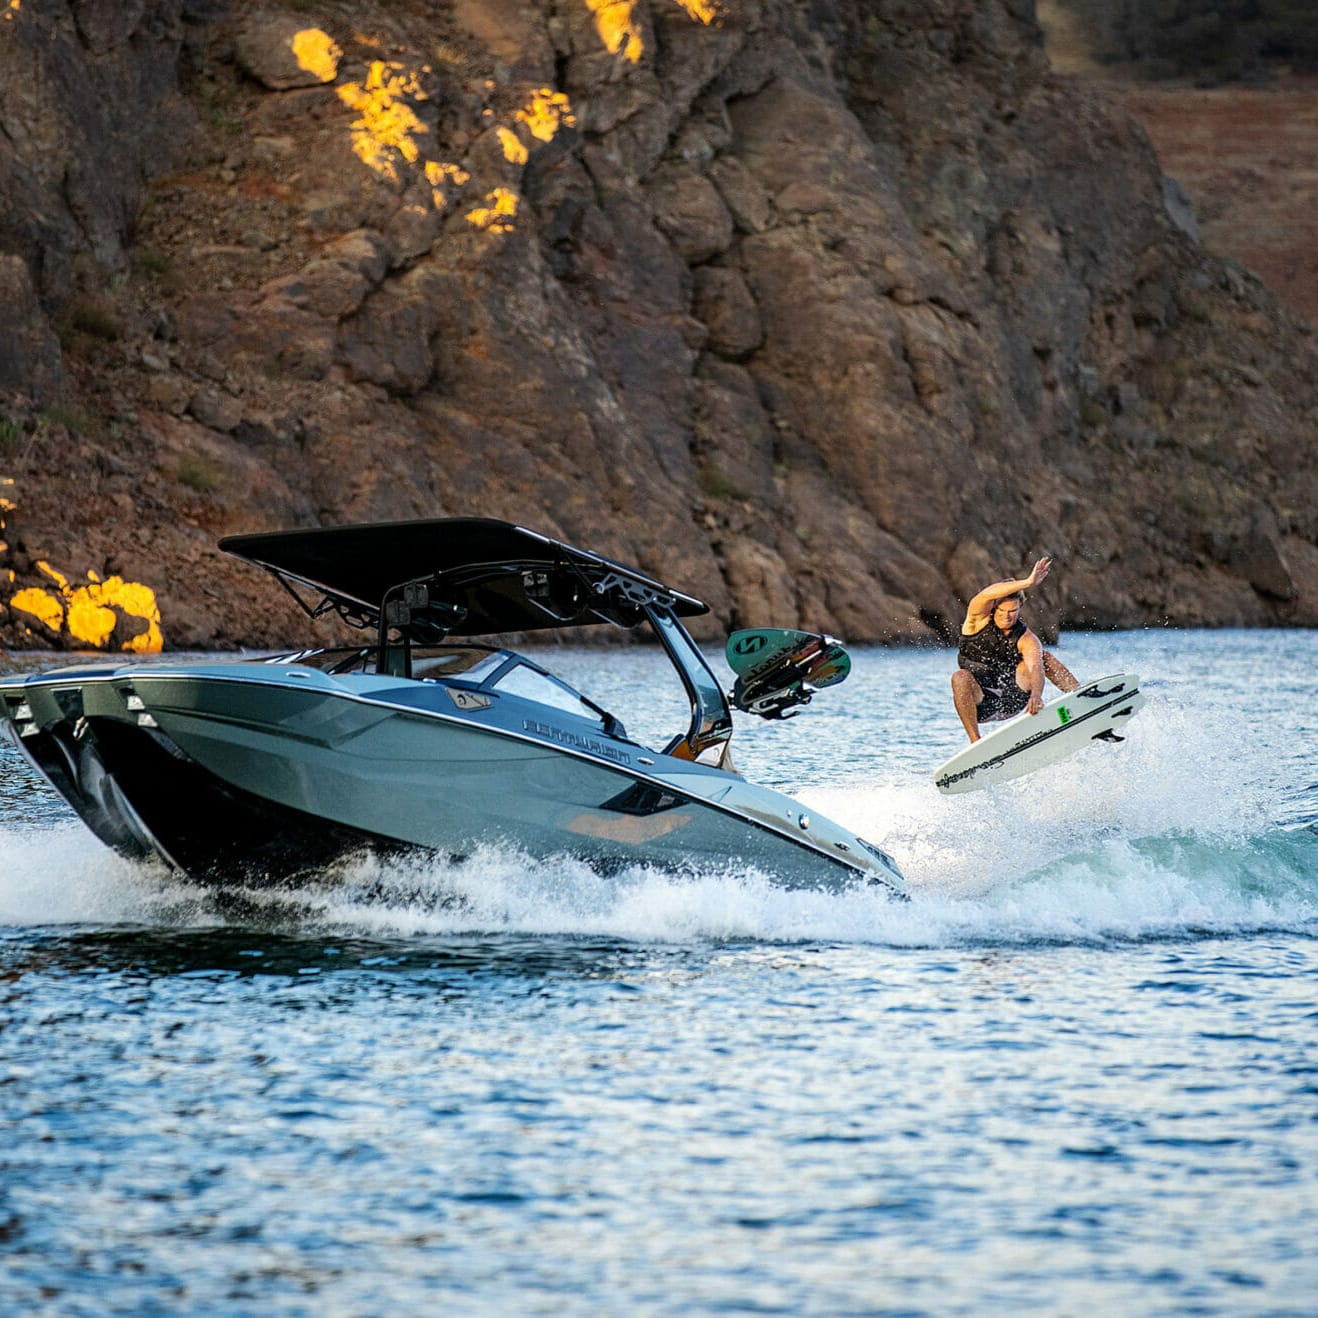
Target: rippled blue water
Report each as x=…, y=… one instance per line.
x=1077, y=1072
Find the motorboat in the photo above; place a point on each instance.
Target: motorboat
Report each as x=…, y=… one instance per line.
x=432, y=733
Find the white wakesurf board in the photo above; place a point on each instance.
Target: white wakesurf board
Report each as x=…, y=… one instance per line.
x=1094, y=711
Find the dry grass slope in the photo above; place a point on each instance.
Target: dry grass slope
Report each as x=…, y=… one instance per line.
x=1244, y=153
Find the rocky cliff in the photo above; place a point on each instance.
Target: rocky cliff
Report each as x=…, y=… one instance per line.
x=828, y=312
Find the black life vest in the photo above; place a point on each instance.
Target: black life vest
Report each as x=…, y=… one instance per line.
x=991, y=655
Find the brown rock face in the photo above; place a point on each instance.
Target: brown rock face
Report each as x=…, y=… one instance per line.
x=828, y=313
x=29, y=351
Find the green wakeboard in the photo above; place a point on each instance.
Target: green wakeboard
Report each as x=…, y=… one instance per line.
x=779, y=668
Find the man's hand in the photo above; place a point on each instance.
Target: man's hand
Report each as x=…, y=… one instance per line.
x=1038, y=572
x=1035, y=704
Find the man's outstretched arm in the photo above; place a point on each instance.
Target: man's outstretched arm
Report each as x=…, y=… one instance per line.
x=985, y=602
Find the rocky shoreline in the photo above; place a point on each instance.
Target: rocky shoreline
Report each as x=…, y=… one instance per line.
x=827, y=314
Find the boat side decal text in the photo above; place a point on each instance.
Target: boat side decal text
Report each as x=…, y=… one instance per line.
x=566, y=738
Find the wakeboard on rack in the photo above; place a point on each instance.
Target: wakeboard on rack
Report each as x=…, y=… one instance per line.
x=779, y=670
x=1095, y=711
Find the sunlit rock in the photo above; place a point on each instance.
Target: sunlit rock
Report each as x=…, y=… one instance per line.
x=282, y=52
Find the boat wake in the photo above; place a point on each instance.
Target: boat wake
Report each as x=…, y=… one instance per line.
x=1111, y=887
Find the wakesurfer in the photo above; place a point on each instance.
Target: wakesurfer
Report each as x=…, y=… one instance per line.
x=1002, y=664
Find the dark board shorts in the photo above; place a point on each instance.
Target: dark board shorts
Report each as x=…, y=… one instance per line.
x=1002, y=704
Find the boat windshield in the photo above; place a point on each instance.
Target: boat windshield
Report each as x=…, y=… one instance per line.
x=471, y=665
x=532, y=683
x=470, y=662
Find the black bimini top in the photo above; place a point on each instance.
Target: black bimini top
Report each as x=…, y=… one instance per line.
x=462, y=576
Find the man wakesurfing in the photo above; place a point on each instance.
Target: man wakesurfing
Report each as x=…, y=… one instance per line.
x=1002, y=663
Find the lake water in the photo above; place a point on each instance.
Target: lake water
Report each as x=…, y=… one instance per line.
x=1076, y=1073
